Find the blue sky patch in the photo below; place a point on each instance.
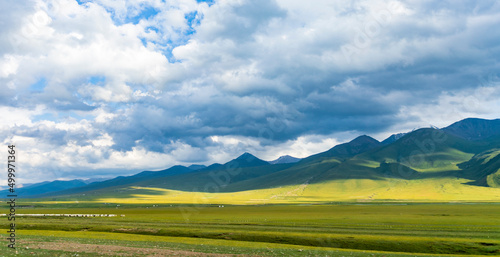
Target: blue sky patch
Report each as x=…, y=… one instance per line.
x=46, y=116
x=96, y=79
x=192, y=21
x=81, y=2
x=145, y=14
x=39, y=86
x=151, y=28
x=209, y=2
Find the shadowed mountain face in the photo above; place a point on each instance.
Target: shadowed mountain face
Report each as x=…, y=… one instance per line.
x=474, y=129
x=426, y=141
x=425, y=154
x=483, y=169
x=246, y=160
x=197, y=167
x=359, y=145
x=393, y=138
x=121, y=181
x=47, y=187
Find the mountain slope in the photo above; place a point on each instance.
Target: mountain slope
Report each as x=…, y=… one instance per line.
x=393, y=138
x=212, y=178
x=313, y=169
x=218, y=177
x=483, y=169
x=474, y=129
x=359, y=145
x=246, y=160
x=197, y=167
x=426, y=164
x=421, y=154
x=219, y=180
x=295, y=174
x=47, y=187
x=426, y=149
x=121, y=181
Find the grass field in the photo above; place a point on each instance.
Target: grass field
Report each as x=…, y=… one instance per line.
x=435, y=189
x=372, y=229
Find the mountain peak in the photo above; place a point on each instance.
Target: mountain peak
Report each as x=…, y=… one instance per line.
x=474, y=128
x=356, y=146
x=364, y=139
x=246, y=155
x=285, y=159
x=247, y=160
x=393, y=138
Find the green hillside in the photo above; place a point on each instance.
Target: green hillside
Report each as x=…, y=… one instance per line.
x=474, y=129
x=121, y=181
x=422, y=154
x=424, y=165
x=216, y=180
x=426, y=150
x=46, y=187
x=483, y=168
x=359, y=145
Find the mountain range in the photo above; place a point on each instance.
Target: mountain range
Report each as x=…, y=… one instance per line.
x=458, y=162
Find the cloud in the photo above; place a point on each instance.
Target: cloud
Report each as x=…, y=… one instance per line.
x=105, y=87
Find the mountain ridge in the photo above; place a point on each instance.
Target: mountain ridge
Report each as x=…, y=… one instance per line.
x=474, y=128
x=285, y=159
x=422, y=154
x=347, y=150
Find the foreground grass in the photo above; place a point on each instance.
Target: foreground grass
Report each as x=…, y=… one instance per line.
x=194, y=245
x=282, y=230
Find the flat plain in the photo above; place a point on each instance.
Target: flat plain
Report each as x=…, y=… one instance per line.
x=336, y=229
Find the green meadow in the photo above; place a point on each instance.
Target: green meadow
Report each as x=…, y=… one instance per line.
x=356, y=199
x=341, y=229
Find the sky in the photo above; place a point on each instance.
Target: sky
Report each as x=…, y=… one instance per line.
x=105, y=88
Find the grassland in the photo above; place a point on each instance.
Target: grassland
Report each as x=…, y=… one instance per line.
x=381, y=229
x=438, y=189
x=393, y=200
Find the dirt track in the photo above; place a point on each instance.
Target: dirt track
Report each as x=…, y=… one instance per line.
x=115, y=250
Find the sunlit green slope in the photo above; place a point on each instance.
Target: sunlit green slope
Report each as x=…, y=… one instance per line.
x=424, y=165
